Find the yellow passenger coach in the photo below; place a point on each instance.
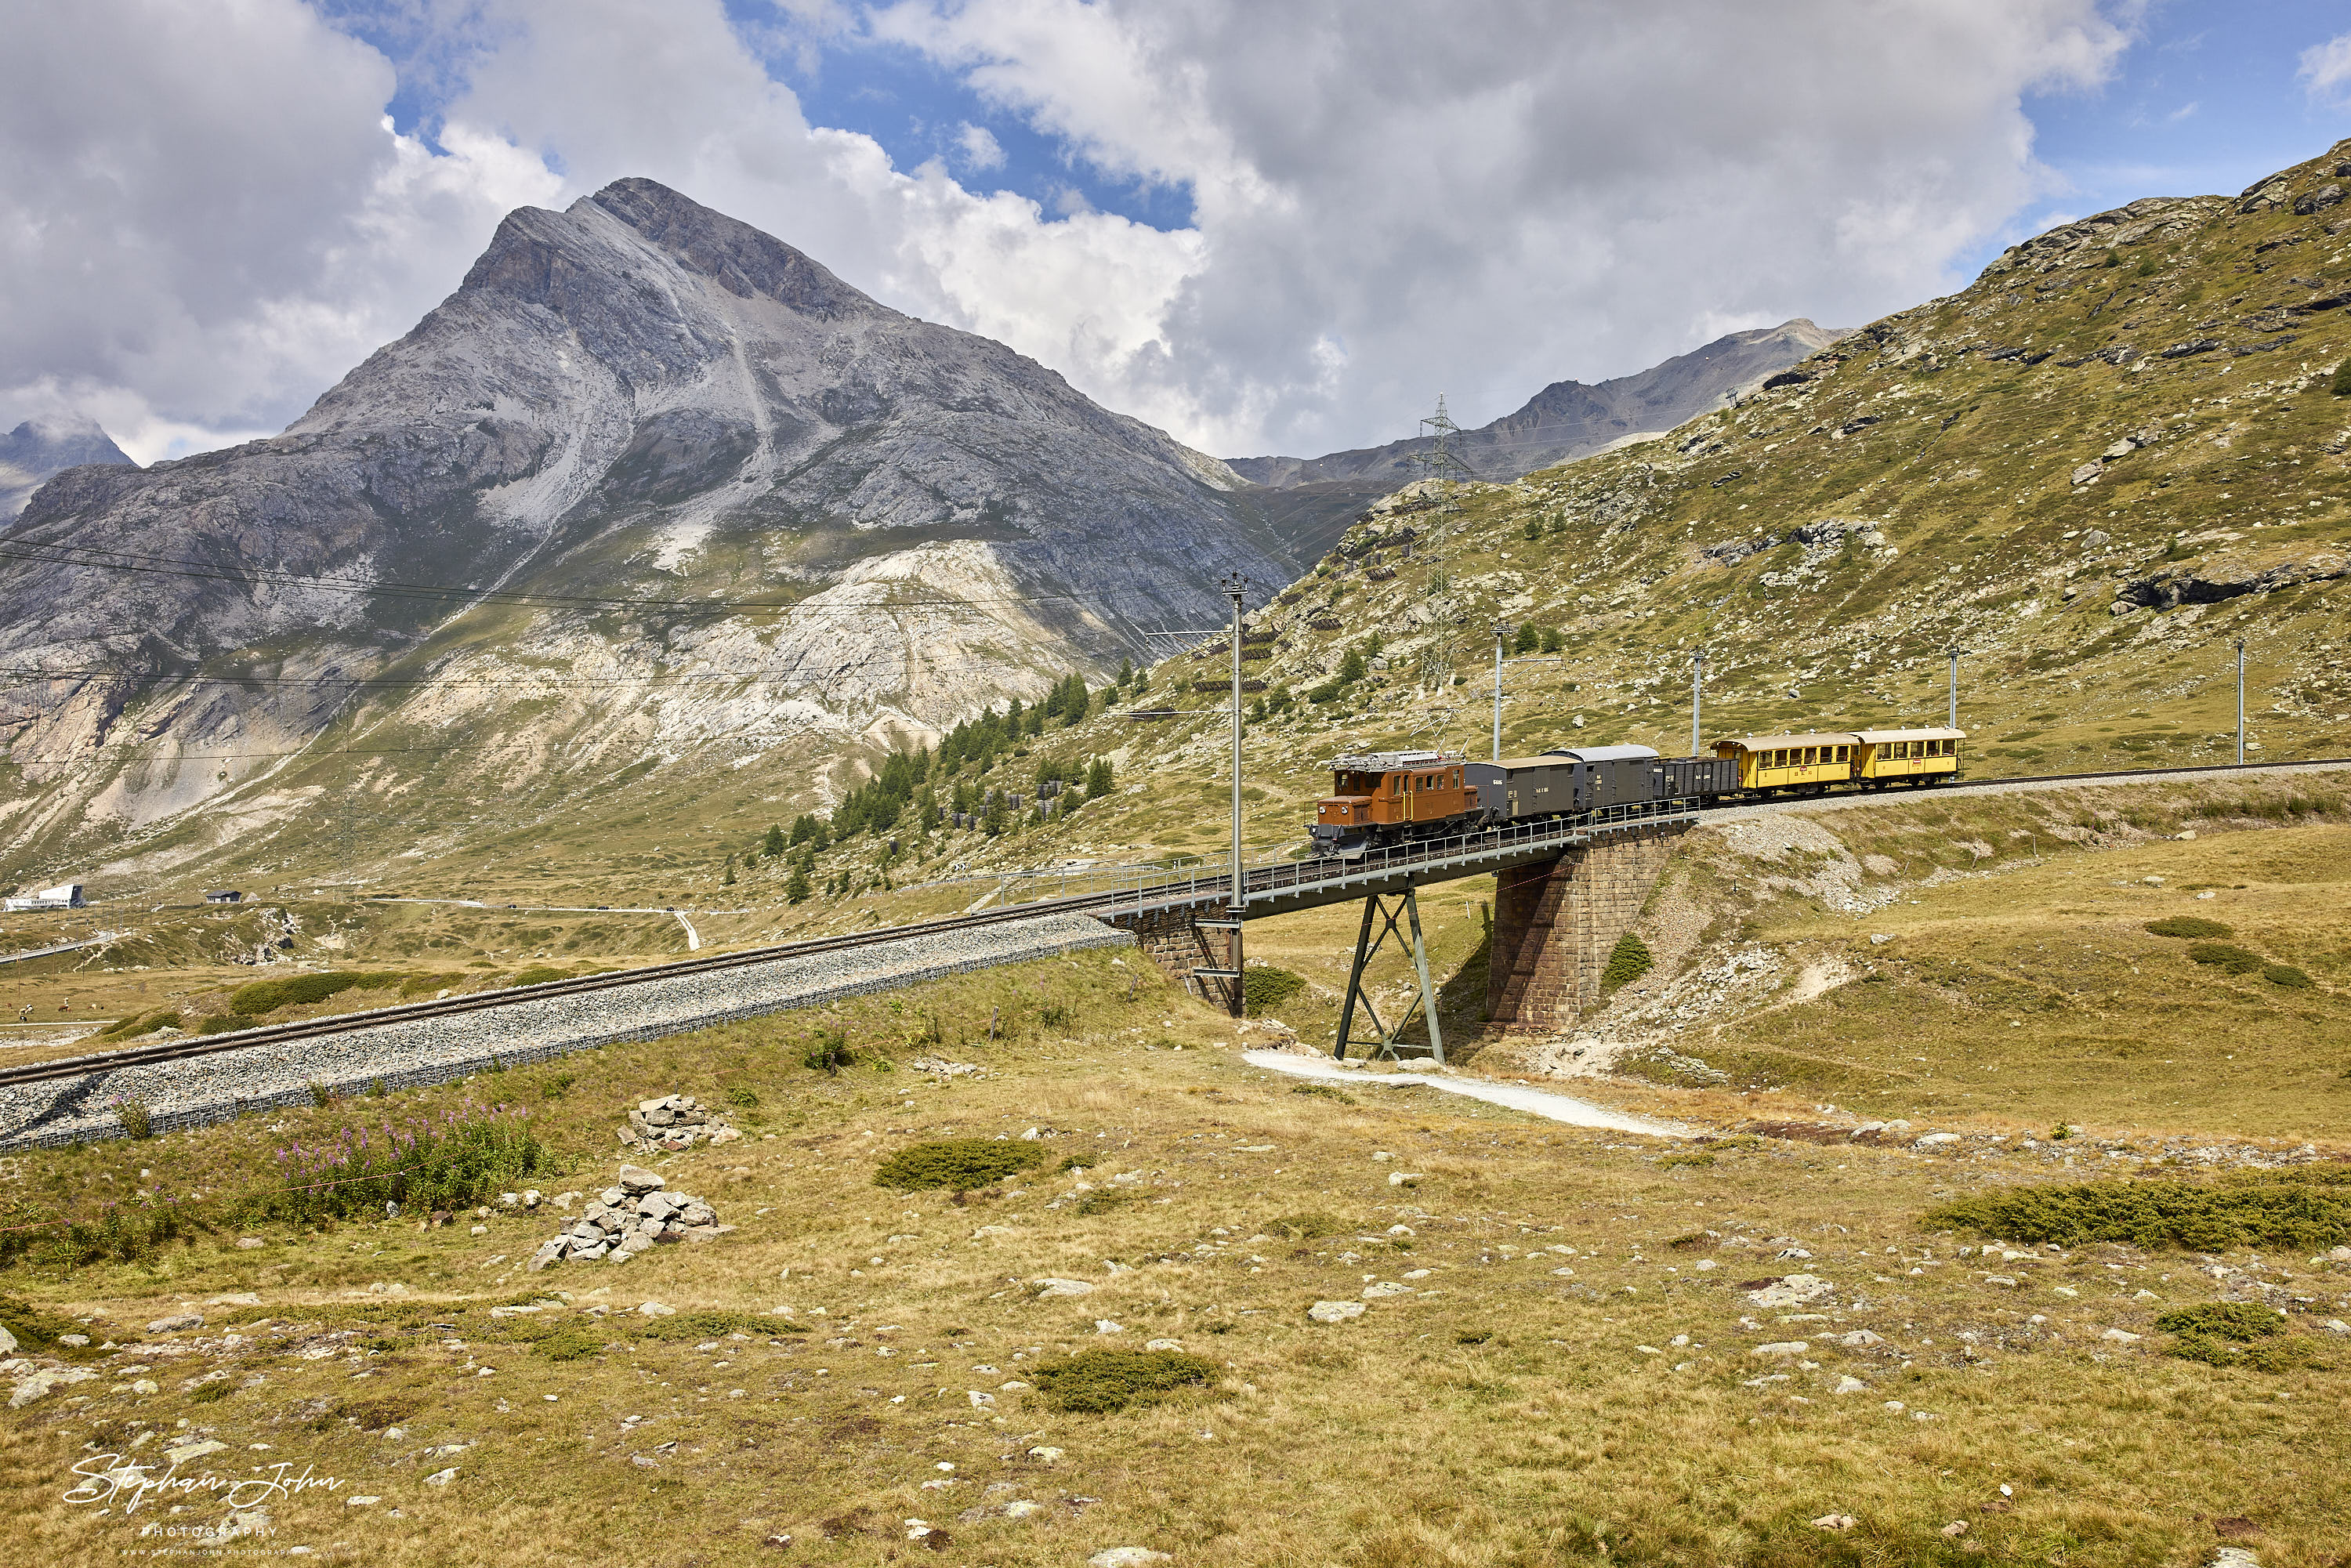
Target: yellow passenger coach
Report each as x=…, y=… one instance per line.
x=1871, y=758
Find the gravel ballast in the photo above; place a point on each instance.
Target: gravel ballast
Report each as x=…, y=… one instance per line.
x=415, y=1052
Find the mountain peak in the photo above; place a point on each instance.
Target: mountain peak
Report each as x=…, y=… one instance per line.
x=744, y=261
x=48, y=444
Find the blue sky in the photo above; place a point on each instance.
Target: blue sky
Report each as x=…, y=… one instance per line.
x=2207, y=100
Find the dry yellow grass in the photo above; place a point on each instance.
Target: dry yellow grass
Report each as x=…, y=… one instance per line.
x=1500, y=1413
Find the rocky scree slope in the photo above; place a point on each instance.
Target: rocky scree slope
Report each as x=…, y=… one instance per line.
x=722, y=493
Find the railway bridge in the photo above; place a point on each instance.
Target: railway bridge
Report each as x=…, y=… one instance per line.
x=1567, y=891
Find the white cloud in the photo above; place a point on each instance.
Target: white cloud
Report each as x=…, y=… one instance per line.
x=204, y=218
x=2325, y=69
x=980, y=148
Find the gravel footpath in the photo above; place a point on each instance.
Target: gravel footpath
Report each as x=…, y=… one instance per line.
x=411, y=1054
x=1946, y=791
x=1518, y=1097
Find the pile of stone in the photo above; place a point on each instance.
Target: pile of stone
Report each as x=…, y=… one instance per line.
x=633, y=1216
x=675, y=1122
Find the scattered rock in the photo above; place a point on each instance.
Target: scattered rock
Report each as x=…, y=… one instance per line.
x=1834, y=1521
x=1933, y=1140
x=183, y=1453
x=1052, y=1288
x=442, y=1478
x=1164, y=1345
x=250, y=1242
x=1127, y=1557
x=2121, y=1336
x=1334, y=1312
x=176, y=1323
x=940, y=1067
x=674, y=1123
x=628, y=1219
x=1781, y=1347
x=1788, y=1291
x=1045, y=1455
x=1850, y=1385
x=1385, y=1288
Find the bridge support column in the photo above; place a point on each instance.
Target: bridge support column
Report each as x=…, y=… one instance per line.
x=1556, y=922
x=1383, y=911
x=1183, y=947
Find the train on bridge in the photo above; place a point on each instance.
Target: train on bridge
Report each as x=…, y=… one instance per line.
x=1384, y=798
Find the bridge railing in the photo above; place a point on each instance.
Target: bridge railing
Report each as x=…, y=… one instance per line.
x=1139, y=888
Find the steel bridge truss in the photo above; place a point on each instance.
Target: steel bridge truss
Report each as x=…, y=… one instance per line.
x=1381, y=909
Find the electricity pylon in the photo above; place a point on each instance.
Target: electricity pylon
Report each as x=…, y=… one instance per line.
x=1443, y=463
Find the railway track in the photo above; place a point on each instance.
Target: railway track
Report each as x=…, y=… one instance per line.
x=1196, y=889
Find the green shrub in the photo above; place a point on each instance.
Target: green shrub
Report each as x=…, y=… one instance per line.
x=1265, y=987
x=220, y=1388
x=1099, y=1381
x=222, y=1023
x=554, y=1087
x=2227, y=1320
x=137, y=1024
x=299, y=990
x=37, y=1328
x=2341, y=385
x=743, y=1097
x=830, y=1053
x=1079, y=1161
x=539, y=975
x=2306, y=1210
x=715, y=1325
x=2227, y=957
x=2227, y=1334
x=2287, y=975
x=134, y=1116
x=2189, y=926
x=957, y=1163
x=1101, y=1200
x=1323, y=1091
x=1627, y=961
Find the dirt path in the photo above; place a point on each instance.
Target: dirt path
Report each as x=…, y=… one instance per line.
x=1518, y=1097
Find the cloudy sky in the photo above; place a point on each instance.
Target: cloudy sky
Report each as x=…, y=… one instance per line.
x=1275, y=227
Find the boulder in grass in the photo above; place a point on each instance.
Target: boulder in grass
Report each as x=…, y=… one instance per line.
x=636, y=1180
x=1334, y=1312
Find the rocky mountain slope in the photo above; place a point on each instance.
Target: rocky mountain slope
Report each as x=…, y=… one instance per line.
x=644, y=452
x=1565, y=420
x=38, y=449
x=2123, y=448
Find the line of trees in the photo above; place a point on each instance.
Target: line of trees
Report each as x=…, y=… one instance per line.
x=913, y=781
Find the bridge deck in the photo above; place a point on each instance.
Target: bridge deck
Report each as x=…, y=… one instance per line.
x=1306, y=884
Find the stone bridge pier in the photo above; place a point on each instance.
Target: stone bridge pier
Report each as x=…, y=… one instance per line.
x=1556, y=922
x=1171, y=939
